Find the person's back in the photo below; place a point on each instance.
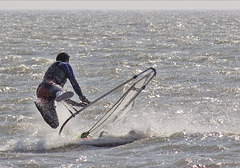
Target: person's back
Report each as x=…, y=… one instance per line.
x=55, y=74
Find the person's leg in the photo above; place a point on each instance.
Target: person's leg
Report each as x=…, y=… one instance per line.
x=63, y=95
x=48, y=113
x=59, y=94
x=46, y=93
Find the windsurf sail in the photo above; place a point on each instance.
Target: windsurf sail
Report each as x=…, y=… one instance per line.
x=122, y=106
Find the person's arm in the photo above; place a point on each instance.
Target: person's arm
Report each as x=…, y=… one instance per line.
x=70, y=75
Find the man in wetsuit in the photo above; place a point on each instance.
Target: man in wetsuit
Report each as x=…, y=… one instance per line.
x=51, y=89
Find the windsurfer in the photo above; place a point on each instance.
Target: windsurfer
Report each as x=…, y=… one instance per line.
x=51, y=88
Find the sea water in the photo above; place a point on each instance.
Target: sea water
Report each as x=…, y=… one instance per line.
x=189, y=113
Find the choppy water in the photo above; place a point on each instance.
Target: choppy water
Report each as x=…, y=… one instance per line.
x=189, y=114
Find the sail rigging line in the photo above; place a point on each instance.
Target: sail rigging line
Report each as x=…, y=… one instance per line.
x=96, y=100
